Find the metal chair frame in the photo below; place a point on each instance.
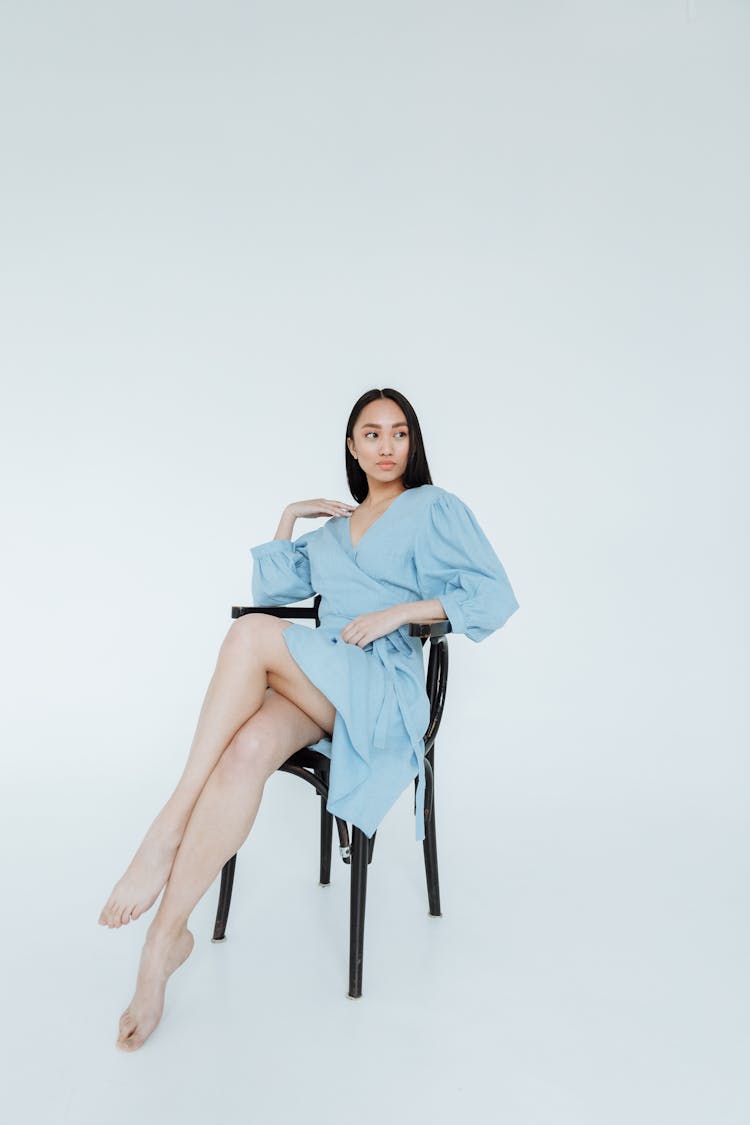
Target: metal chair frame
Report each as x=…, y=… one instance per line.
x=313, y=767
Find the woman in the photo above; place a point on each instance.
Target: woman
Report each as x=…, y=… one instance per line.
x=352, y=688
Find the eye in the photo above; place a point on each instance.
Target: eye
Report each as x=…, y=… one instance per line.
x=404, y=432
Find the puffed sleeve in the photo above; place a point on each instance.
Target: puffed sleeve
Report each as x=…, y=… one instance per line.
x=281, y=571
x=457, y=564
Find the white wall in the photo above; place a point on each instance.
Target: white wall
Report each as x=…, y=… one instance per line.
x=220, y=224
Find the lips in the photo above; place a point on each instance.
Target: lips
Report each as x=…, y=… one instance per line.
x=386, y=464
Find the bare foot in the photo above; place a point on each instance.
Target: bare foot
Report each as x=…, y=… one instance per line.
x=137, y=890
x=159, y=959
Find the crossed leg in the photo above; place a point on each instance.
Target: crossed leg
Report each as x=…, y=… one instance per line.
x=225, y=809
x=252, y=657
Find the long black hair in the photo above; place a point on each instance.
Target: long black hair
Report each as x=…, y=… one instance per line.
x=417, y=470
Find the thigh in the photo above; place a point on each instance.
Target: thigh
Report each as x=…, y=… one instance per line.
x=276, y=730
x=286, y=678
x=263, y=633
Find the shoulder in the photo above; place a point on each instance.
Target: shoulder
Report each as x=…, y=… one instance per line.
x=435, y=499
x=425, y=495
x=436, y=511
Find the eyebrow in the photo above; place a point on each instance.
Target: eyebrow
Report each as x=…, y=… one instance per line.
x=377, y=426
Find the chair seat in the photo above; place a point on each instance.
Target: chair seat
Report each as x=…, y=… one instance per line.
x=307, y=757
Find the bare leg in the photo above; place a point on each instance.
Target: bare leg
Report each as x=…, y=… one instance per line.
x=220, y=822
x=252, y=648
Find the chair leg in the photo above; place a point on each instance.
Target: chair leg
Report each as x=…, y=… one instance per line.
x=326, y=832
x=225, y=899
x=429, y=844
x=360, y=847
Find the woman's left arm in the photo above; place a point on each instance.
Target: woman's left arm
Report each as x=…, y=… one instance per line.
x=369, y=626
x=421, y=613
x=457, y=565
x=459, y=574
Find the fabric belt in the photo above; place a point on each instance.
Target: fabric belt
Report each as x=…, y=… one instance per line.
x=397, y=655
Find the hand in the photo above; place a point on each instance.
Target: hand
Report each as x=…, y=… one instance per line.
x=319, y=507
x=369, y=626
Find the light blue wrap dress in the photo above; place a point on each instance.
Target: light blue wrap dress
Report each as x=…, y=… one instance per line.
x=426, y=544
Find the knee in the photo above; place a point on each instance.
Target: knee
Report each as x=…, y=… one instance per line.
x=251, y=751
x=248, y=629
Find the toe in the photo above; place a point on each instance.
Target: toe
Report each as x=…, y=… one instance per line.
x=130, y=1044
x=128, y=1037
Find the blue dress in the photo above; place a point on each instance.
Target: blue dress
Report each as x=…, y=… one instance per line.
x=426, y=544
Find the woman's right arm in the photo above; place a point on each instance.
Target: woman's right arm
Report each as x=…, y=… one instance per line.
x=286, y=525
x=281, y=571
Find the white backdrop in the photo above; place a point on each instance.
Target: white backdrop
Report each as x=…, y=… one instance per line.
x=220, y=224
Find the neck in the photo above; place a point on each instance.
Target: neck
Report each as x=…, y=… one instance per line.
x=378, y=493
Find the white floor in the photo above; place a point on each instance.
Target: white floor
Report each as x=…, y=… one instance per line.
x=588, y=968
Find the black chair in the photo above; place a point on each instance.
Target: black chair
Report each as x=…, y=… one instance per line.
x=314, y=767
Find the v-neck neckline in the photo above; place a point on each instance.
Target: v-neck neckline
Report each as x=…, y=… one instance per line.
x=355, y=546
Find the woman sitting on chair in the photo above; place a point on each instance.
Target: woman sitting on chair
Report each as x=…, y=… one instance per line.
x=409, y=552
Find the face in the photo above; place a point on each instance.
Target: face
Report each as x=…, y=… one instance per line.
x=381, y=434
